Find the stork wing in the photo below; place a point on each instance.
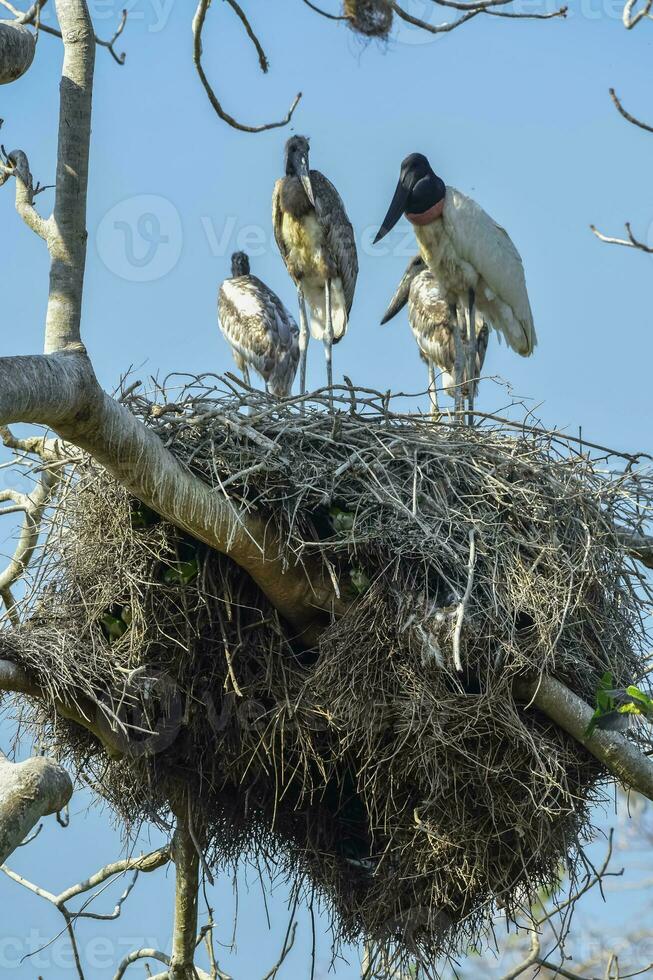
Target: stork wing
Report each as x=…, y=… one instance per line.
x=488, y=248
x=277, y=218
x=338, y=232
x=254, y=321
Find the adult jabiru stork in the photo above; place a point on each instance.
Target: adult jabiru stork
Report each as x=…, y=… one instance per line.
x=317, y=244
x=471, y=256
x=432, y=321
x=259, y=329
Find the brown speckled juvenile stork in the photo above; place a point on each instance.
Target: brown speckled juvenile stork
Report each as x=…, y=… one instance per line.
x=316, y=241
x=259, y=329
x=432, y=320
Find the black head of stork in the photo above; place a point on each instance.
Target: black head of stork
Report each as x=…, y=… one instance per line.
x=297, y=163
x=239, y=264
x=418, y=192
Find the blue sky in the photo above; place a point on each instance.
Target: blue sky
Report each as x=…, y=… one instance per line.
x=516, y=114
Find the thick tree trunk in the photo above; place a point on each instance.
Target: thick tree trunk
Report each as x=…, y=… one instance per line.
x=186, y=858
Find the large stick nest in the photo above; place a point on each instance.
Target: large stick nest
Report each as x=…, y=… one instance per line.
x=412, y=797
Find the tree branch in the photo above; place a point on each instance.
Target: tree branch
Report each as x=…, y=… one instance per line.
x=17, y=166
x=141, y=954
x=61, y=391
x=88, y=714
x=627, y=115
x=240, y=13
x=198, y=27
x=632, y=242
x=148, y=862
x=33, y=506
x=638, y=546
x=187, y=862
x=28, y=791
x=623, y=759
x=17, y=46
x=630, y=20
x=68, y=244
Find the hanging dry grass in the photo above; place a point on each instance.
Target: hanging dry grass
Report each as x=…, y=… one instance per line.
x=414, y=798
x=373, y=18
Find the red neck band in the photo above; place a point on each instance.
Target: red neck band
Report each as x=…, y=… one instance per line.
x=426, y=217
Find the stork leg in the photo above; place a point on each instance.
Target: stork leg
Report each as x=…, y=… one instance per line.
x=471, y=354
x=433, y=391
x=303, y=341
x=328, y=339
x=246, y=375
x=458, y=326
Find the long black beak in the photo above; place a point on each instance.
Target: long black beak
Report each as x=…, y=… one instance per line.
x=305, y=177
x=402, y=292
x=395, y=211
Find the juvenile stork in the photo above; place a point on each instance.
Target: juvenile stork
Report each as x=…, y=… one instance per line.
x=317, y=244
x=472, y=258
x=259, y=329
x=431, y=320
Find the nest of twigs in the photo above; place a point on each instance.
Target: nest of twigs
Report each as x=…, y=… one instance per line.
x=412, y=797
x=372, y=18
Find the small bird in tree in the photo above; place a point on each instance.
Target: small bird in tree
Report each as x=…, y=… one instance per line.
x=260, y=330
x=317, y=244
x=472, y=258
x=432, y=321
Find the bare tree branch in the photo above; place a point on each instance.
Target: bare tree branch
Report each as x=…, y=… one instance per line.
x=33, y=506
x=28, y=791
x=639, y=546
x=17, y=48
x=148, y=862
x=631, y=19
x=262, y=57
x=16, y=165
x=433, y=28
x=631, y=242
x=627, y=115
x=141, y=954
x=91, y=716
x=471, y=10
x=325, y=13
x=198, y=27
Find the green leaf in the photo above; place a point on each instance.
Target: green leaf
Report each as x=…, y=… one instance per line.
x=113, y=627
x=359, y=580
x=342, y=520
x=181, y=573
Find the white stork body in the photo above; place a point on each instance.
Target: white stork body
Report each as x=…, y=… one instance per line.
x=259, y=329
x=470, y=255
x=465, y=249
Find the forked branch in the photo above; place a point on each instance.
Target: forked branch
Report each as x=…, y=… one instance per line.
x=198, y=26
